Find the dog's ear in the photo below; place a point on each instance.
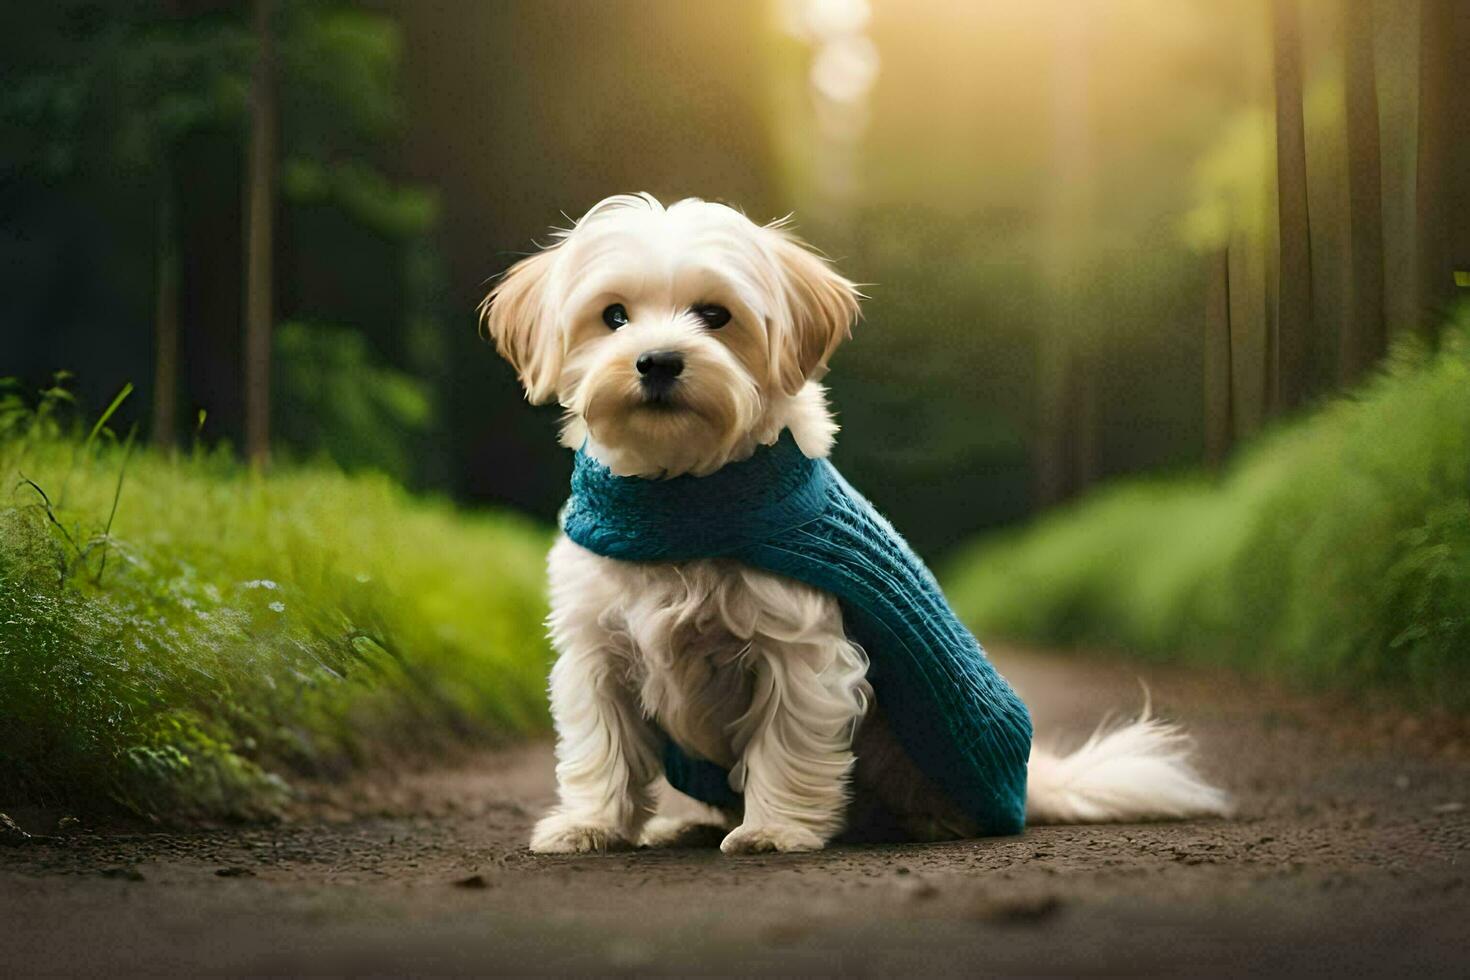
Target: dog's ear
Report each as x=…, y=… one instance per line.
x=822, y=305
x=516, y=318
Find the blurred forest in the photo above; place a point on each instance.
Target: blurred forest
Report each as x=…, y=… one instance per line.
x=1101, y=237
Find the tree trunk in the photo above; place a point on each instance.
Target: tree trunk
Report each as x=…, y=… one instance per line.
x=1219, y=378
x=1067, y=450
x=1364, y=333
x=1396, y=42
x=259, y=215
x=1056, y=378
x=1443, y=193
x=1290, y=343
x=1251, y=255
x=166, y=320
x=1087, y=467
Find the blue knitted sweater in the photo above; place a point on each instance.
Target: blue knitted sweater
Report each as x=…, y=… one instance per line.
x=794, y=516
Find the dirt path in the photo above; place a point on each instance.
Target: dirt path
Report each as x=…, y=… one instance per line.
x=1351, y=853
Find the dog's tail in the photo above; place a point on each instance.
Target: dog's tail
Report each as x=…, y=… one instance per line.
x=1139, y=771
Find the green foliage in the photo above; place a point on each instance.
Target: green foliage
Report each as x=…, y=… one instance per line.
x=246, y=627
x=1337, y=549
x=334, y=398
x=1231, y=187
x=340, y=75
x=125, y=81
x=136, y=78
x=392, y=210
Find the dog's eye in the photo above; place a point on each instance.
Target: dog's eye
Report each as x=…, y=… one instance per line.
x=615, y=316
x=711, y=315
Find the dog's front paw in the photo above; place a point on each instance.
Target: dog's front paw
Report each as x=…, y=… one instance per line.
x=785, y=838
x=562, y=833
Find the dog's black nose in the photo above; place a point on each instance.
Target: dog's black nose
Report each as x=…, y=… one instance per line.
x=659, y=368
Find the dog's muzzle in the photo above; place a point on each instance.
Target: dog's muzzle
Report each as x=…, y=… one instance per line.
x=658, y=372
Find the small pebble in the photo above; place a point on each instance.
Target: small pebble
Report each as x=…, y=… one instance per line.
x=1019, y=910
x=473, y=881
x=917, y=889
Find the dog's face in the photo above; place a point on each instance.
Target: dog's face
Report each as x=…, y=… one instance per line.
x=669, y=333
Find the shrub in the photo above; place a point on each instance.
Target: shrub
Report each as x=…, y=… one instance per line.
x=244, y=627
x=1336, y=548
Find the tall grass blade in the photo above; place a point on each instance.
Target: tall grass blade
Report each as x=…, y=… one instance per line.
x=122, y=473
x=86, y=446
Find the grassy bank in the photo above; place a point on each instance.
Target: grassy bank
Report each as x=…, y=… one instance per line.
x=233, y=630
x=1335, y=549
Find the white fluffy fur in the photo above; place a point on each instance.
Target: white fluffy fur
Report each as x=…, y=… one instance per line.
x=736, y=665
x=739, y=666
x=1137, y=771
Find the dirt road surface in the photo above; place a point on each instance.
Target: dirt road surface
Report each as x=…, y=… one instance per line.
x=1350, y=854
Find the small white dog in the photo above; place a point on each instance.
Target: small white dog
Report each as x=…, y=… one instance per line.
x=678, y=340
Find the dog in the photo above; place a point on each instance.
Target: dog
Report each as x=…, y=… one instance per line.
x=680, y=340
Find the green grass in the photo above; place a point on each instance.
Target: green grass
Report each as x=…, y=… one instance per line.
x=1336, y=549
x=245, y=629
